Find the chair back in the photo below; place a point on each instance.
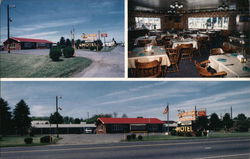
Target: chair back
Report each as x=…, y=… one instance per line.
x=216, y=51
x=173, y=54
x=202, y=70
x=148, y=69
x=142, y=43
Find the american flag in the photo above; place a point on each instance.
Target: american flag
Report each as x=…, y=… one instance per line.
x=166, y=110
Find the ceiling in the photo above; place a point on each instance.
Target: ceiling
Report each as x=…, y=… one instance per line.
x=154, y=5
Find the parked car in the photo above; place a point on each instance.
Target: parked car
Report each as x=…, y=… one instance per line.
x=88, y=131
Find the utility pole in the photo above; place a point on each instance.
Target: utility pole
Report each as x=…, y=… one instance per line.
x=8, y=24
x=57, y=130
x=231, y=109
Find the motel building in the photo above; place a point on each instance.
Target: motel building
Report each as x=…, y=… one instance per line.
x=44, y=127
x=128, y=125
x=25, y=43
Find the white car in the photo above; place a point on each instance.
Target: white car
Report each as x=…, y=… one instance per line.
x=88, y=131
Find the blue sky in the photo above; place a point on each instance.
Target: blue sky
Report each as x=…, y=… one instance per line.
x=51, y=19
x=147, y=99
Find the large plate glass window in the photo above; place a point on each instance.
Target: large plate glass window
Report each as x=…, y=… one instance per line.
x=148, y=23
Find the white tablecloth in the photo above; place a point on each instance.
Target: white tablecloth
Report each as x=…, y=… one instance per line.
x=149, y=57
x=198, y=35
x=185, y=41
x=152, y=38
x=232, y=65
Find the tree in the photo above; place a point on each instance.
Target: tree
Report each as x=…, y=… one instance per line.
x=68, y=43
x=62, y=41
x=202, y=123
x=56, y=118
x=241, y=117
x=115, y=114
x=5, y=117
x=78, y=42
x=21, y=119
x=227, y=121
x=114, y=41
x=214, y=122
x=77, y=121
x=94, y=118
x=242, y=123
x=124, y=116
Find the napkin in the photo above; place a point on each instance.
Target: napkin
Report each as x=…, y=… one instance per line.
x=141, y=54
x=222, y=60
x=234, y=54
x=245, y=68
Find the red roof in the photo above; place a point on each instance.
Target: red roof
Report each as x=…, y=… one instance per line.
x=130, y=121
x=30, y=40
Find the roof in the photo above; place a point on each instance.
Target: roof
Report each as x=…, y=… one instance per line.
x=30, y=40
x=130, y=120
x=64, y=125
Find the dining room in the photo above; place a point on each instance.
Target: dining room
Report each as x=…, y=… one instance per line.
x=188, y=38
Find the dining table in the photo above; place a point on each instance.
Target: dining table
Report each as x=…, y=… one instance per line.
x=142, y=55
x=230, y=64
x=152, y=39
x=196, y=36
x=177, y=42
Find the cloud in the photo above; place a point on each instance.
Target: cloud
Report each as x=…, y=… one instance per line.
x=39, y=110
x=35, y=35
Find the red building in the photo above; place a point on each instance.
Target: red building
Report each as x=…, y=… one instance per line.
x=126, y=125
x=25, y=43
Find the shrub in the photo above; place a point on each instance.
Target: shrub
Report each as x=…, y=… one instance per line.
x=133, y=136
x=55, y=54
x=128, y=137
x=140, y=137
x=28, y=140
x=68, y=52
x=46, y=139
x=198, y=133
x=92, y=48
x=99, y=48
x=188, y=134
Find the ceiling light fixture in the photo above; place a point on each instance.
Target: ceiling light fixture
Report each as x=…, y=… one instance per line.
x=176, y=5
x=223, y=6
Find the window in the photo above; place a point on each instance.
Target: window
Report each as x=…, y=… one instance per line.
x=148, y=23
x=208, y=23
x=12, y=45
x=117, y=127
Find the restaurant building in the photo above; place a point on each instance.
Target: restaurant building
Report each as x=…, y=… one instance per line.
x=126, y=125
x=26, y=43
x=182, y=38
x=44, y=127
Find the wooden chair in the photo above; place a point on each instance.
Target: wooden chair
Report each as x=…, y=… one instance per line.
x=202, y=43
x=142, y=43
x=148, y=69
x=203, y=70
x=216, y=51
x=174, y=57
x=186, y=51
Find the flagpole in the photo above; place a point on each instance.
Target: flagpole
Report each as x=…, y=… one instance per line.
x=168, y=119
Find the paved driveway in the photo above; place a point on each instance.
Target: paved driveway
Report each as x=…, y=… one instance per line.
x=105, y=64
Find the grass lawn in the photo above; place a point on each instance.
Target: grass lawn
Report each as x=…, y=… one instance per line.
x=211, y=135
x=12, y=141
x=22, y=65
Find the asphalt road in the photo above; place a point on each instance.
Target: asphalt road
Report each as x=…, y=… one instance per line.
x=220, y=148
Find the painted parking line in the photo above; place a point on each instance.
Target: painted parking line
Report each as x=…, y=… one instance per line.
x=223, y=156
x=118, y=147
